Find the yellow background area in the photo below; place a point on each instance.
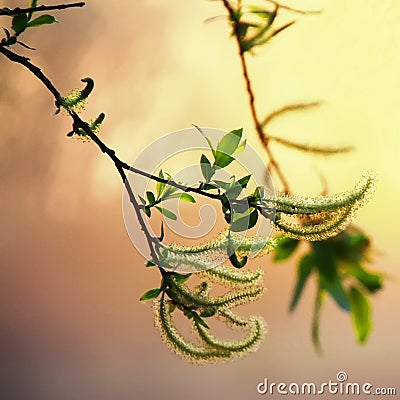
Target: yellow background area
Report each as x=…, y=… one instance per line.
x=71, y=325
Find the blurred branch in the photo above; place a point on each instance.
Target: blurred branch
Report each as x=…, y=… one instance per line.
x=325, y=151
x=288, y=108
x=257, y=122
x=295, y=10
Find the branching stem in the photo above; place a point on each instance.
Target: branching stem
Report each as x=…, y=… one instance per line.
x=263, y=136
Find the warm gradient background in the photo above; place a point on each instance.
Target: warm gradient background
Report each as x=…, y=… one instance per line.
x=71, y=325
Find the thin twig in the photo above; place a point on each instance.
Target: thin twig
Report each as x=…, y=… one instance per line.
x=288, y=108
x=18, y=10
x=257, y=124
x=295, y=10
x=324, y=151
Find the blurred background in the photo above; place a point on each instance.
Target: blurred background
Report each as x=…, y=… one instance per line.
x=71, y=324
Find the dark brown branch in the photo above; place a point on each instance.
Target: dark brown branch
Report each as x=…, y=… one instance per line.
x=35, y=71
x=80, y=124
x=18, y=10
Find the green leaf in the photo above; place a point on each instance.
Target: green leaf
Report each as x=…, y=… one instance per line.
x=208, y=186
x=25, y=45
x=42, y=20
x=150, y=264
x=160, y=186
x=247, y=222
x=150, y=197
x=336, y=290
x=241, y=147
x=262, y=12
x=370, y=280
x=207, y=139
x=233, y=258
x=233, y=191
x=222, y=184
x=141, y=198
x=172, y=307
x=244, y=181
x=32, y=4
x=169, y=189
x=325, y=259
x=315, y=321
x=206, y=168
x=151, y=294
x=229, y=142
x=285, y=248
x=187, y=197
x=167, y=213
x=304, y=269
x=222, y=159
x=361, y=314
x=199, y=320
x=259, y=192
x=182, y=196
x=208, y=312
x=180, y=278
x=7, y=32
x=19, y=23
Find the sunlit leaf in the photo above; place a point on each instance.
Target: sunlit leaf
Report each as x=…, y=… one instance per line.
x=182, y=196
x=361, y=314
x=160, y=186
x=222, y=159
x=229, y=142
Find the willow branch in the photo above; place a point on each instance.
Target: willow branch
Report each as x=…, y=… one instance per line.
x=79, y=123
x=18, y=10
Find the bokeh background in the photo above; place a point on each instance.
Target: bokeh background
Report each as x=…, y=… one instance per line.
x=71, y=325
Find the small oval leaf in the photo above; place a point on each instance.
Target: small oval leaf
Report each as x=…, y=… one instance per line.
x=151, y=294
